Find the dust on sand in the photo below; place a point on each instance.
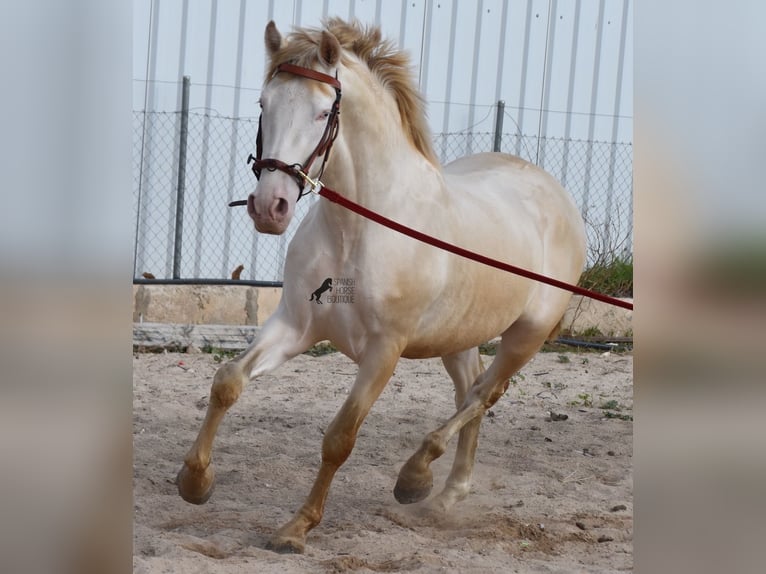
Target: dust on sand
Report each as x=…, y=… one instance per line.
x=550, y=494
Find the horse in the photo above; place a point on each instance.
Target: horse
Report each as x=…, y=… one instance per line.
x=410, y=300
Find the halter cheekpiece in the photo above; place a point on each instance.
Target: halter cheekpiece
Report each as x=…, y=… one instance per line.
x=299, y=172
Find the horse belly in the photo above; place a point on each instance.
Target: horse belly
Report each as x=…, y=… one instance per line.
x=451, y=339
x=462, y=319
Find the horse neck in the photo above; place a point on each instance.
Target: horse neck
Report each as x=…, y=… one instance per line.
x=375, y=164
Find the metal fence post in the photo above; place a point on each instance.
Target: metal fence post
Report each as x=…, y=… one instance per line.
x=181, y=185
x=499, y=125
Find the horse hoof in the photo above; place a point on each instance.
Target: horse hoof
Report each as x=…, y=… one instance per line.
x=195, y=486
x=409, y=490
x=285, y=545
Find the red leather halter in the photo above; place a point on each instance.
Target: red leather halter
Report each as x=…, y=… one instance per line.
x=299, y=172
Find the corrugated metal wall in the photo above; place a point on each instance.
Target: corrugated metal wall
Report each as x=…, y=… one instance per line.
x=562, y=67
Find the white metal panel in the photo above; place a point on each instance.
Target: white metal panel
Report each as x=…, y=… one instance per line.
x=283, y=13
x=464, y=61
x=367, y=11
x=390, y=20
x=411, y=29
x=141, y=34
x=486, y=58
x=588, y=69
x=524, y=61
x=605, y=90
x=221, y=74
x=257, y=15
x=164, y=73
x=625, y=119
x=310, y=13
x=436, y=74
x=561, y=68
x=505, y=60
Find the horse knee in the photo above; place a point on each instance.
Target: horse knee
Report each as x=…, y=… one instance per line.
x=227, y=385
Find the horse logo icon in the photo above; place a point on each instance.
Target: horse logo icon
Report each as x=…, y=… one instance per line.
x=326, y=286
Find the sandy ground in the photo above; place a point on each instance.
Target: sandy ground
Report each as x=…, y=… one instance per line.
x=548, y=495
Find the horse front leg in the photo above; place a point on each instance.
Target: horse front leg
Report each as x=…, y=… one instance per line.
x=275, y=344
x=375, y=369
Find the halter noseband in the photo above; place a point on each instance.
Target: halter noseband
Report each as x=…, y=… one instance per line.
x=299, y=172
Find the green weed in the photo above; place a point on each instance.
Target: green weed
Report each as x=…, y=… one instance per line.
x=614, y=277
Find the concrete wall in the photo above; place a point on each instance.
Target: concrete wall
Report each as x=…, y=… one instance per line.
x=204, y=304
x=245, y=305
x=586, y=314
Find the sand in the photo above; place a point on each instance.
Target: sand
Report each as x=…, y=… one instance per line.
x=547, y=495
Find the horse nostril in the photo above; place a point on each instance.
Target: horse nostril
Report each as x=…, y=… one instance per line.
x=281, y=207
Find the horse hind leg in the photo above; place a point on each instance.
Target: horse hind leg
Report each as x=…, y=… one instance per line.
x=464, y=369
x=273, y=346
x=517, y=346
x=415, y=483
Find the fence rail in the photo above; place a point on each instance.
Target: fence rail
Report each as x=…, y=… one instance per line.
x=189, y=165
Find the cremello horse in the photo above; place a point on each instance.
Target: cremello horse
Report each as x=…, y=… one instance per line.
x=409, y=299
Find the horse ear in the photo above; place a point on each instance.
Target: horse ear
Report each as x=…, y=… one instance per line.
x=273, y=38
x=329, y=49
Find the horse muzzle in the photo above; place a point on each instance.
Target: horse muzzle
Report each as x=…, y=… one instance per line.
x=271, y=212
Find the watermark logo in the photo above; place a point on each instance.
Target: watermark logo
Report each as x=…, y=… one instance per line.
x=317, y=295
x=339, y=290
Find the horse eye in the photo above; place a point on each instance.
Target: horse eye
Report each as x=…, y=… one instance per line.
x=324, y=115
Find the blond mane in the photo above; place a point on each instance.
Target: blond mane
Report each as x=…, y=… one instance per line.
x=389, y=66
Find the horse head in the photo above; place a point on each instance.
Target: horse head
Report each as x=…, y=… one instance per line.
x=299, y=114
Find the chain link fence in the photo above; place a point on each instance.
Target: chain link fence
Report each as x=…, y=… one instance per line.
x=214, y=239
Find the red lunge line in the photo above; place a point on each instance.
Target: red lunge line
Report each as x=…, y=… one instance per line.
x=335, y=197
